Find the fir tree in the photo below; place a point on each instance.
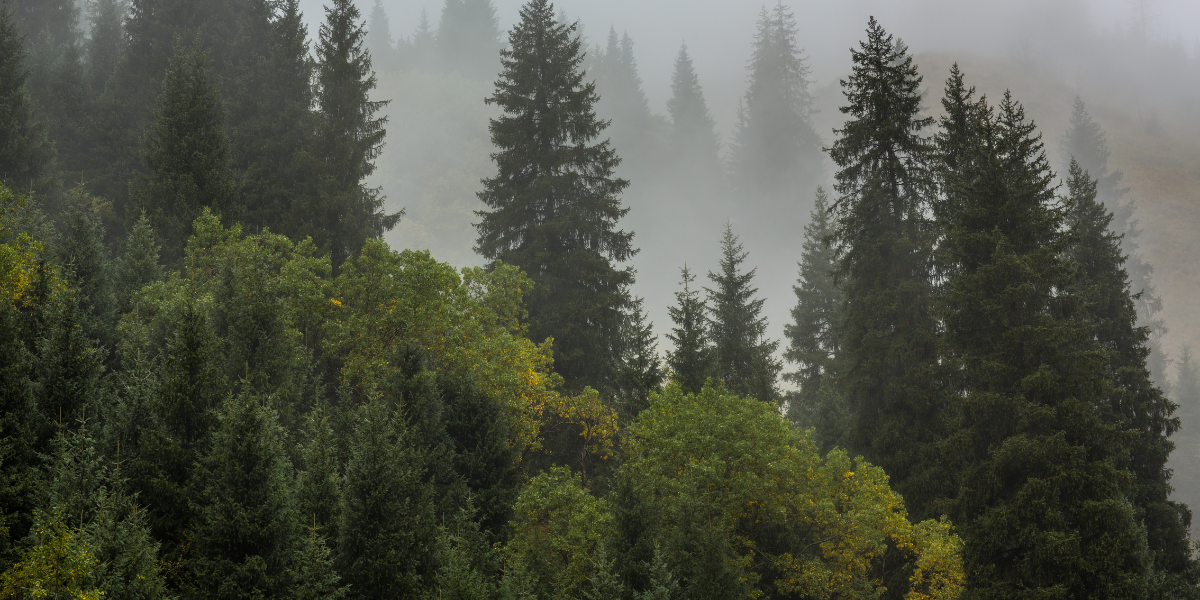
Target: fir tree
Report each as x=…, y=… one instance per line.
x=814, y=336
x=468, y=38
x=69, y=367
x=246, y=526
x=776, y=149
x=85, y=261
x=57, y=85
x=1134, y=402
x=1043, y=505
x=315, y=577
x=138, y=265
x=105, y=46
x=1085, y=142
x=743, y=357
x=691, y=361
x=889, y=338
x=25, y=153
x=386, y=527
x=482, y=456
x=639, y=371
x=623, y=103
x=186, y=154
x=340, y=212
x=693, y=131
x=423, y=46
x=319, y=484
x=554, y=203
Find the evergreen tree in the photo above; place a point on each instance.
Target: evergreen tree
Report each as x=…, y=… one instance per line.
x=468, y=38
x=85, y=261
x=246, y=527
x=386, y=527
x=1134, y=402
x=482, y=456
x=105, y=46
x=776, y=150
x=814, y=336
x=889, y=338
x=138, y=264
x=554, y=202
x=423, y=46
x=693, y=131
x=1044, y=503
x=639, y=371
x=26, y=155
x=379, y=38
x=186, y=155
x=1187, y=390
x=319, y=484
x=69, y=367
x=623, y=103
x=1085, y=142
x=315, y=577
x=57, y=18
x=57, y=85
x=691, y=361
x=743, y=357
x=340, y=213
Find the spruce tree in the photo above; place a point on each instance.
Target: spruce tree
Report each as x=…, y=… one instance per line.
x=186, y=155
x=339, y=211
x=379, y=38
x=889, y=338
x=315, y=577
x=468, y=38
x=639, y=371
x=1085, y=142
x=482, y=455
x=554, y=204
x=85, y=262
x=776, y=150
x=319, y=484
x=138, y=264
x=691, y=360
x=246, y=528
x=57, y=18
x=58, y=87
x=1044, y=504
x=69, y=367
x=386, y=529
x=623, y=103
x=1187, y=390
x=742, y=355
x=814, y=335
x=105, y=45
x=1134, y=403
x=693, y=132
x=26, y=155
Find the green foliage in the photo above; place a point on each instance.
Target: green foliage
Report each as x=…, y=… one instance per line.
x=59, y=565
x=26, y=154
x=639, y=371
x=186, y=154
x=386, y=528
x=467, y=565
x=246, y=528
x=319, y=483
x=557, y=220
x=85, y=263
x=138, y=264
x=743, y=358
x=884, y=244
x=691, y=361
x=315, y=577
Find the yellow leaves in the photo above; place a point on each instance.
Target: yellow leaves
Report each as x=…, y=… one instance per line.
x=335, y=302
x=59, y=565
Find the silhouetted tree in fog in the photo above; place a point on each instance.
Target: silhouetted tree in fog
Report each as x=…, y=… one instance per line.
x=468, y=38
x=379, y=39
x=25, y=153
x=694, y=139
x=623, y=103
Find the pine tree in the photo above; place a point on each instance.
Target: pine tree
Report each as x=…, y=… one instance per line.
x=186, y=155
x=379, y=38
x=26, y=155
x=468, y=38
x=1085, y=142
x=246, y=527
x=814, y=336
x=1044, y=505
x=743, y=357
x=386, y=527
x=884, y=243
x=776, y=149
x=639, y=371
x=1134, y=402
x=693, y=132
x=138, y=265
x=554, y=202
x=691, y=361
x=340, y=212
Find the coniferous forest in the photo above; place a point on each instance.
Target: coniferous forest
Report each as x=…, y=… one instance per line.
x=217, y=380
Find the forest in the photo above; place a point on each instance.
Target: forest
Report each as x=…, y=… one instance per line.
x=218, y=380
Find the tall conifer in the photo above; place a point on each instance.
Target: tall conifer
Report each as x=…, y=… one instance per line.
x=885, y=243
x=639, y=370
x=776, y=149
x=691, y=360
x=468, y=38
x=623, y=102
x=379, y=38
x=743, y=356
x=554, y=204
x=693, y=131
x=25, y=153
x=339, y=211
